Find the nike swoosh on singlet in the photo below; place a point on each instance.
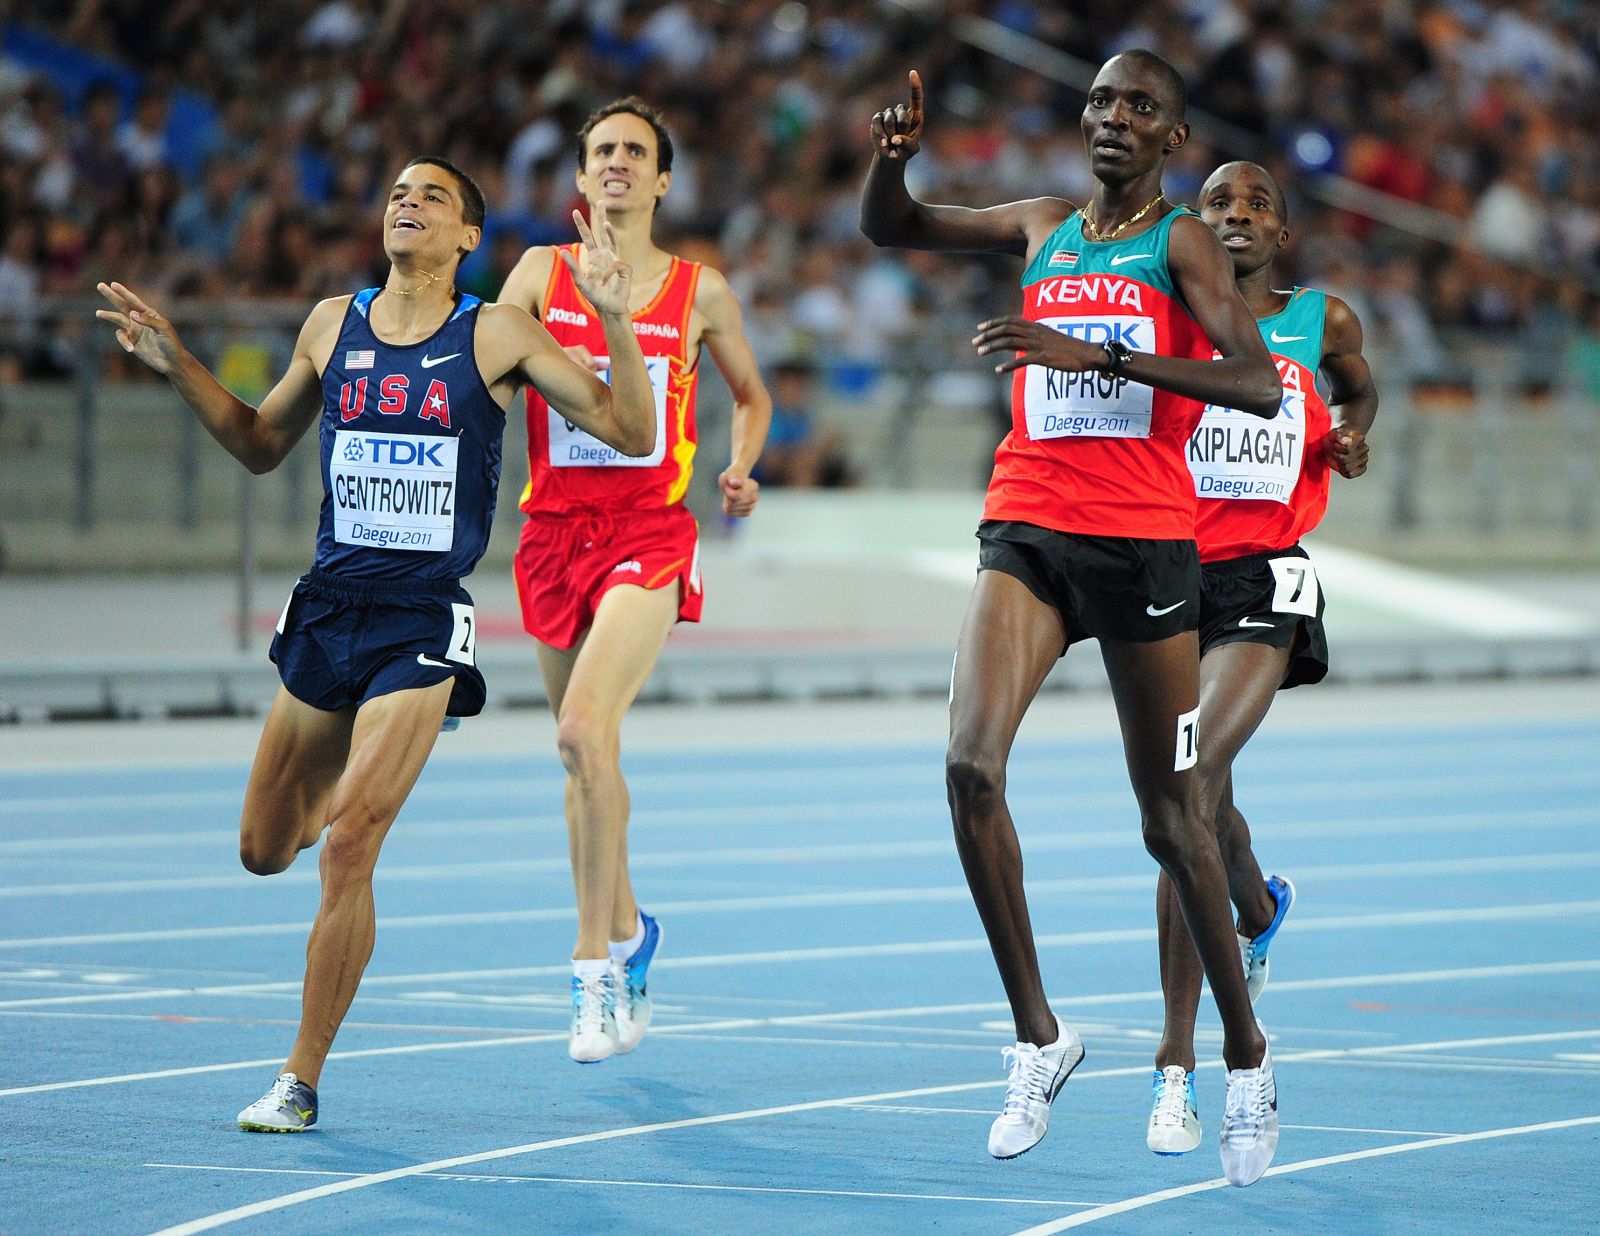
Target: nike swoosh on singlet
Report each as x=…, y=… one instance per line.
x=424, y=659
x=1129, y=257
x=1156, y=613
x=1245, y=622
x=428, y=362
x=1277, y=338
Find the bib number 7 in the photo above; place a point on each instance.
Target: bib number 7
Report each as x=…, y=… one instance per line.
x=1295, y=589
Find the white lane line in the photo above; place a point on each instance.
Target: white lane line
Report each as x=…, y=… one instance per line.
x=445, y=783
x=1341, y=1128
x=269, y=1205
x=436, y=873
x=1377, y=1152
x=640, y=1184
x=1396, y=918
x=1023, y=801
x=803, y=1019
x=1525, y=970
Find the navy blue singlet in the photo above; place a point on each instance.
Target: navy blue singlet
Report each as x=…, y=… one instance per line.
x=410, y=451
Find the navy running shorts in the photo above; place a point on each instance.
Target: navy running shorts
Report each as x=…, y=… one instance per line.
x=1267, y=598
x=344, y=641
x=1104, y=587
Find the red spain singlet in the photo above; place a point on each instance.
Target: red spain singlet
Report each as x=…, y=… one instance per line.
x=569, y=469
x=1090, y=453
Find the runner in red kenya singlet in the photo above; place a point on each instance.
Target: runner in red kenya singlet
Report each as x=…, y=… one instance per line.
x=1089, y=532
x=610, y=558
x=1262, y=485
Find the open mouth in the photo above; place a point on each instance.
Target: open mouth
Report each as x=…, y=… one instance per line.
x=1235, y=239
x=406, y=223
x=615, y=186
x=1110, y=146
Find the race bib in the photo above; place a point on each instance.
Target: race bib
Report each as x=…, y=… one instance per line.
x=571, y=447
x=463, y=634
x=1090, y=405
x=1295, y=588
x=1235, y=455
x=394, y=491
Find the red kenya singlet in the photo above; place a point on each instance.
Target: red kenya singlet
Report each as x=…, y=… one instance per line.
x=1087, y=452
x=1263, y=484
x=569, y=469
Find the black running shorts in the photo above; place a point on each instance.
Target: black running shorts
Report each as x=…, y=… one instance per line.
x=1104, y=587
x=1269, y=598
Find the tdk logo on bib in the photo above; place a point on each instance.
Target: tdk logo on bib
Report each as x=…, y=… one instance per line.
x=1137, y=334
x=419, y=452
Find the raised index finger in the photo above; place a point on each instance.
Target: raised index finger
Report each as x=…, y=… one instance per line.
x=916, y=92
x=584, y=234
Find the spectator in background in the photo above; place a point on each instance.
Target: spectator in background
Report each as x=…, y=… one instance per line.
x=19, y=297
x=100, y=169
x=800, y=454
x=206, y=220
x=143, y=136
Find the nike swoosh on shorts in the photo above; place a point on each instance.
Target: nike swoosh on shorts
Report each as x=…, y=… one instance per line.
x=1156, y=613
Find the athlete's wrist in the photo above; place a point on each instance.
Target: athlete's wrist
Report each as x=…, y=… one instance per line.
x=1118, y=354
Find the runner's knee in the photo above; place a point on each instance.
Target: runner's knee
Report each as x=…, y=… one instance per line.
x=1170, y=836
x=585, y=746
x=355, y=834
x=262, y=859
x=974, y=779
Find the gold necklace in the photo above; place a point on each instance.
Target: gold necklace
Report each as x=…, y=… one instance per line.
x=432, y=279
x=1096, y=234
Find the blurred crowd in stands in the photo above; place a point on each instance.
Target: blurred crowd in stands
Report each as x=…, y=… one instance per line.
x=234, y=149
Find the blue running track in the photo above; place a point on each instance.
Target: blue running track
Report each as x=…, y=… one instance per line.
x=825, y=1056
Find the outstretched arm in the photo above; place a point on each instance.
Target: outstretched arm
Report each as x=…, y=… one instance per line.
x=752, y=406
x=1353, y=392
x=259, y=438
x=891, y=216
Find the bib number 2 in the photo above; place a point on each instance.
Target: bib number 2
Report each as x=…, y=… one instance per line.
x=464, y=638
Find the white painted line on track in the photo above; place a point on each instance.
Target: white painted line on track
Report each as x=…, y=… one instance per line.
x=1085, y=1217
x=1525, y=970
x=1023, y=801
x=1523, y=751
x=1395, y=918
x=640, y=1184
x=801, y=1019
x=436, y=873
x=270, y=1205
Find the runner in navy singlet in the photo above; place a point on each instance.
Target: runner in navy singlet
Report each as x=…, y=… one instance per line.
x=376, y=645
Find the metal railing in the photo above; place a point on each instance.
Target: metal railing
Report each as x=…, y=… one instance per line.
x=1508, y=439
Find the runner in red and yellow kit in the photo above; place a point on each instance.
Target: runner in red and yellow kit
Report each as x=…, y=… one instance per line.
x=609, y=558
x=1089, y=532
x=1262, y=485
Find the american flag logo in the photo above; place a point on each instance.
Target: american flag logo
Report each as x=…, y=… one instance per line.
x=360, y=360
x=1062, y=258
